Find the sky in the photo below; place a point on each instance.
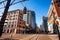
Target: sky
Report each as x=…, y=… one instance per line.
x=40, y=7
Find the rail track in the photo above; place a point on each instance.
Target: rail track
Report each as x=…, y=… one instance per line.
x=34, y=37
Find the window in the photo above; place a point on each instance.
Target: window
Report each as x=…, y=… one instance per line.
x=58, y=4
x=57, y=1
x=11, y=25
x=12, y=30
x=4, y=31
x=52, y=15
x=13, y=18
x=5, y=25
x=18, y=26
x=8, y=31
x=17, y=11
x=15, y=25
x=13, y=22
x=16, y=18
x=8, y=25
x=16, y=15
x=18, y=31
x=13, y=13
x=9, y=22
x=19, y=22
x=59, y=19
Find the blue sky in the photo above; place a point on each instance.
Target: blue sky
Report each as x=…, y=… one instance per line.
x=40, y=7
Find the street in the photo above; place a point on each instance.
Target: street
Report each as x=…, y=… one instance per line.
x=21, y=20
x=32, y=36
x=40, y=37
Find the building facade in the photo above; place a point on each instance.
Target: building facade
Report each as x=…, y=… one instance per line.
x=54, y=17
x=45, y=19
x=15, y=23
x=29, y=18
x=42, y=30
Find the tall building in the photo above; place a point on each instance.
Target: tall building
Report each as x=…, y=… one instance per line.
x=29, y=18
x=15, y=23
x=54, y=17
x=42, y=30
x=45, y=19
x=37, y=30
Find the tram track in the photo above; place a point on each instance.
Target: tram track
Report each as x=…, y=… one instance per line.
x=29, y=37
x=34, y=37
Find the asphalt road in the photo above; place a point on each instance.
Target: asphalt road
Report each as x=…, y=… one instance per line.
x=32, y=36
x=41, y=37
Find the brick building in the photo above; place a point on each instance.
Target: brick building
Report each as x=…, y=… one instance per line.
x=54, y=16
x=15, y=23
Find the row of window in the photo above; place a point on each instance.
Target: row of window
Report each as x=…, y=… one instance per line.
x=14, y=25
x=15, y=18
x=10, y=31
x=18, y=31
x=14, y=22
x=11, y=25
x=12, y=19
x=15, y=12
x=12, y=16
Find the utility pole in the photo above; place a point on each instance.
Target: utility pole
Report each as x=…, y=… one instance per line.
x=4, y=16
